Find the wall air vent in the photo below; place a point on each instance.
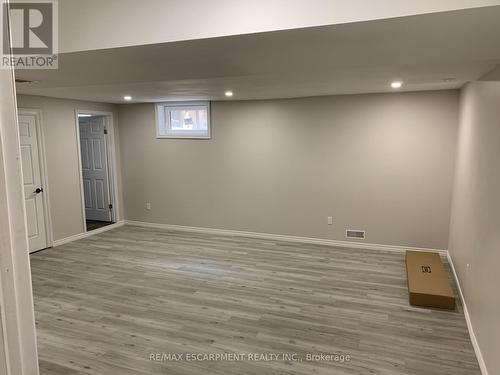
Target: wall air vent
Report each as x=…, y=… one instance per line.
x=357, y=234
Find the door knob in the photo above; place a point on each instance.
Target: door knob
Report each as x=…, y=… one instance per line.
x=38, y=190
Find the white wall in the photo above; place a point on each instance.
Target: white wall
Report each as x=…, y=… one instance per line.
x=96, y=24
x=381, y=162
x=475, y=220
x=18, y=353
x=58, y=121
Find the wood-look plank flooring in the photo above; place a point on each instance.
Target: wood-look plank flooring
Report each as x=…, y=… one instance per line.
x=104, y=304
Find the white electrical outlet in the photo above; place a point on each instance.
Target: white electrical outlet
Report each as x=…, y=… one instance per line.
x=330, y=220
x=148, y=206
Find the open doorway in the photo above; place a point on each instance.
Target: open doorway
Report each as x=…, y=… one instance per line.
x=97, y=169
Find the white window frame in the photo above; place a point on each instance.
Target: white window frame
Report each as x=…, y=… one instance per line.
x=161, y=118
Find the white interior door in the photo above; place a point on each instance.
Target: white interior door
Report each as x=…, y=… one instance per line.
x=33, y=189
x=95, y=169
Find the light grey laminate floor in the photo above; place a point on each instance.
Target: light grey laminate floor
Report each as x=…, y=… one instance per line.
x=106, y=303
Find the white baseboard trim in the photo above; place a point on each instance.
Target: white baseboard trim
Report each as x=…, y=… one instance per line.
x=79, y=236
x=473, y=339
x=281, y=237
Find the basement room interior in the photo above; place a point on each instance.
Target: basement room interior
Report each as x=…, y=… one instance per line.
x=248, y=187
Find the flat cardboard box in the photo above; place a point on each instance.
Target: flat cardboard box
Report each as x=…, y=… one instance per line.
x=428, y=283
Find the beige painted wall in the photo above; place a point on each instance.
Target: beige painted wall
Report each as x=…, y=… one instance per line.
x=475, y=230
x=63, y=159
x=381, y=162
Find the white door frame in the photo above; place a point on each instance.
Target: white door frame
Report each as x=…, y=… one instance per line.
x=111, y=158
x=42, y=157
x=18, y=354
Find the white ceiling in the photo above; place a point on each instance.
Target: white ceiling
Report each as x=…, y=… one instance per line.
x=358, y=57
x=97, y=24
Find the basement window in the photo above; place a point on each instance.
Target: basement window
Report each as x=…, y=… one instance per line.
x=183, y=120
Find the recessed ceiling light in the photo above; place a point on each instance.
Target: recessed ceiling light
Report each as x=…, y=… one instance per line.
x=228, y=94
x=127, y=97
x=84, y=115
x=396, y=84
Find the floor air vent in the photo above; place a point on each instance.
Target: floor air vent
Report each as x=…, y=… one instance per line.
x=358, y=234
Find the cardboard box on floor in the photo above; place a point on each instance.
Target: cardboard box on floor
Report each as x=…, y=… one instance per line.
x=428, y=283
